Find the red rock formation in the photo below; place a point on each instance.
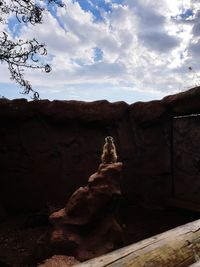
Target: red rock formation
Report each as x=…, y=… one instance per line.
x=86, y=227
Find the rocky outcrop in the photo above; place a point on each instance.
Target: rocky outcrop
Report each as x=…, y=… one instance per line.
x=86, y=227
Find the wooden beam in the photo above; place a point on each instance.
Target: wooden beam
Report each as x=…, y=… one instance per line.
x=196, y=264
x=178, y=247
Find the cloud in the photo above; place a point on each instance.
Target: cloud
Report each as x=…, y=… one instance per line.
x=146, y=45
x=194, y=49
x=159, y=41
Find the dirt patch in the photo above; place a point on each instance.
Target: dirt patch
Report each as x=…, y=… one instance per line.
x=18, y=240
x=59, y=261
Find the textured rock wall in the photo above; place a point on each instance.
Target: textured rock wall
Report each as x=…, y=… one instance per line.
x=186, y=156
x=48, y=149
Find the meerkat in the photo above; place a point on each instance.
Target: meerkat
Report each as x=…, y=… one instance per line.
x=109, y=154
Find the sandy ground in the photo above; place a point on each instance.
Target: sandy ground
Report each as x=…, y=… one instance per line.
x=18, y=238
x=17, y=242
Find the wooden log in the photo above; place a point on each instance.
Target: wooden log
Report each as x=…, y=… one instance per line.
x=179, y=247
x=196, y=264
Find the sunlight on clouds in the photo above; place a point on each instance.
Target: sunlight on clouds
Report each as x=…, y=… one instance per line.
x=142, y=45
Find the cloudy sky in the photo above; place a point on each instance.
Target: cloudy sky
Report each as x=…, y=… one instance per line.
x=130, y=50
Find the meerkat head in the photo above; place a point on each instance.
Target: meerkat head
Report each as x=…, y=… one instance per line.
x=109, y=139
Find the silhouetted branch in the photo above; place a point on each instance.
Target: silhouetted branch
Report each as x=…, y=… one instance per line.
x=23, y=54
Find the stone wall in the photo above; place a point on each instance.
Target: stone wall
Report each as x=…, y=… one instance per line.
x=48, y=149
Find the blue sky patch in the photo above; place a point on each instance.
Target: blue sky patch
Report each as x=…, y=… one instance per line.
x=98, y=54
x=97, y=6
x=53, y=11
x=15, y=26
x=187, y=13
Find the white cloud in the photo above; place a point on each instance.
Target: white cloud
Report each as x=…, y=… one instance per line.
x=147, y=45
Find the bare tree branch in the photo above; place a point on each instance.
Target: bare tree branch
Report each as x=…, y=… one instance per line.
x=20, y=55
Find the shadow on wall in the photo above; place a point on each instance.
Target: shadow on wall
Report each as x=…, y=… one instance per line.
x=48, y=149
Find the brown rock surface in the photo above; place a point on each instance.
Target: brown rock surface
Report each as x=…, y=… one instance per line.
x=185, y=102
x=57, y=144
x=20, y=109
x=186, y=159
x=148, y=112
x=87, y=227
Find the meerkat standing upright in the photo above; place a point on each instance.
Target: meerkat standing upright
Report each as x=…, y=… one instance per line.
x=109, y=154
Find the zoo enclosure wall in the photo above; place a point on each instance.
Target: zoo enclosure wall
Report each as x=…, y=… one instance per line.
x=49, y=149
